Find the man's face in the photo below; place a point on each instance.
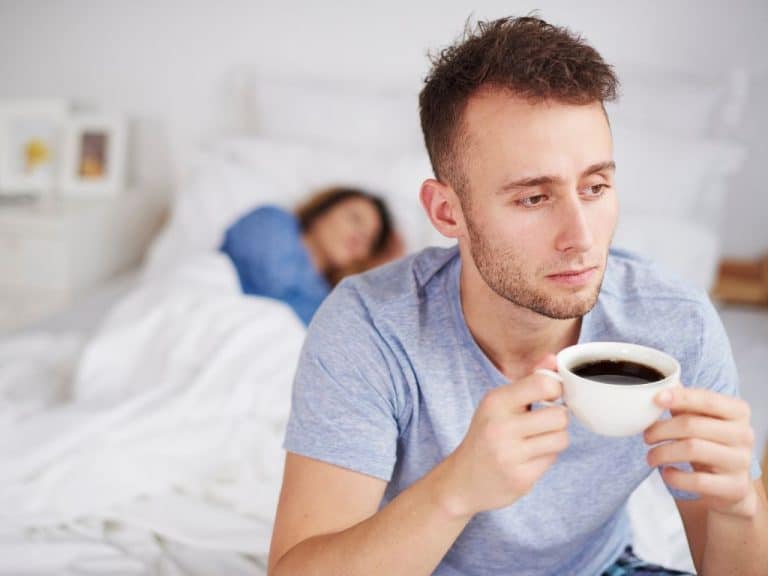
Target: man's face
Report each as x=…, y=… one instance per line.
x=539, y=208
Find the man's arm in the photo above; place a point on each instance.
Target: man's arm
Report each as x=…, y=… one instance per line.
x=328, y=520
x=327, y=523
x=716, y=539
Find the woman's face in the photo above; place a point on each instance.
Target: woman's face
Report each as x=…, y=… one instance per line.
x=345, y=234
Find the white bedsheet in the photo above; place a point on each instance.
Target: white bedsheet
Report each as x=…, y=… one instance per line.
x=172, y=425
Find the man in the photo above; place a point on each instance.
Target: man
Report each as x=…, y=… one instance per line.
x=416, y=443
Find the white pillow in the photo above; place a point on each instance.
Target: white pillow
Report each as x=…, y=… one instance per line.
x=396, y=178
x=682, y=247
x=670, y=102
x=671, y=191
x=666, y=176
x=233, y=176
x=213, y=194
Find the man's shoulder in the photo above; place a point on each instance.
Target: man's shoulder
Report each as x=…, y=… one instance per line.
x=407, y=277
x=644, y=303
x=633, y=279
x=389, y=293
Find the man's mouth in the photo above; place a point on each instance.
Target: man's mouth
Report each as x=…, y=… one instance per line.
x=575, y=277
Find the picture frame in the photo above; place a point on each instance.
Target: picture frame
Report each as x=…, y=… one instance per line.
x=94, y=156
x=31, y=145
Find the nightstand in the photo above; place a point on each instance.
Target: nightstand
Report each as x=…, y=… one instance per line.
x=55, y=251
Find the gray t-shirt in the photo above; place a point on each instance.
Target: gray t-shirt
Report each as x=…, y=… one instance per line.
x=390, y=376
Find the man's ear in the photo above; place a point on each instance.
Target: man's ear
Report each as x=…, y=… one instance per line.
x=442, y=207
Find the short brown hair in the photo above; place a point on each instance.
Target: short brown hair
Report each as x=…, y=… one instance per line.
x=526, y=56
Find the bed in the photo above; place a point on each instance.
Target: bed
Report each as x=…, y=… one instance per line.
x=134, y=439
x=155, y=436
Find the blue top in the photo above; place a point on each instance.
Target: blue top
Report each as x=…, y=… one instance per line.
x=390, y=376
x=266, y=248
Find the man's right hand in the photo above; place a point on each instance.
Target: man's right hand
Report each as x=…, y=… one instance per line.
x=507, y=448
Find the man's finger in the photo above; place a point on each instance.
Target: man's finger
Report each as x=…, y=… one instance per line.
x=519, y=395
x=706, y=402
x=532, y=389
x=706, y=484
x=710, y=454
x=544, y=444
x=541, y=421
x=703, y=427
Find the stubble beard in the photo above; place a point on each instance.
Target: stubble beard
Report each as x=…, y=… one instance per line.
x=501, y=269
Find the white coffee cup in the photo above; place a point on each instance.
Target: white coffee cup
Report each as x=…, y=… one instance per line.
x=613, y=409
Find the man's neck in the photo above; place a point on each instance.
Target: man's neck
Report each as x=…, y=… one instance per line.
x=514, y=338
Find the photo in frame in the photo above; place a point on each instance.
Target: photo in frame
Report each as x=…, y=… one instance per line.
x=31, y=145
x=94, y=156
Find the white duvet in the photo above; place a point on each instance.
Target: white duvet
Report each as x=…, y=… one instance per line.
x=172, y=422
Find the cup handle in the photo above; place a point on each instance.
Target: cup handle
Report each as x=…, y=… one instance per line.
x=554, y=376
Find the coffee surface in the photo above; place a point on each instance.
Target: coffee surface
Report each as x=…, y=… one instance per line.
x=618, y=372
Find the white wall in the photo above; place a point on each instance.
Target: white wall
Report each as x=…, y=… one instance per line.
x=176, y=66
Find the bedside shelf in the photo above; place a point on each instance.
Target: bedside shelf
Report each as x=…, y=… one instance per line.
x=743, y=282
x=55, y=251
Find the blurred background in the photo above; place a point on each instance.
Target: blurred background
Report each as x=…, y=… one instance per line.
x=132, y=132
x=181, y=77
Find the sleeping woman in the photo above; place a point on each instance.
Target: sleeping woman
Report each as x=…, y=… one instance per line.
x=297, y=257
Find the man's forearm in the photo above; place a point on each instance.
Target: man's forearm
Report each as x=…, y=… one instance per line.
x=409, y=537
x=737, y=546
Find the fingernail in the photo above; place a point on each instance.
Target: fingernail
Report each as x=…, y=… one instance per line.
x=664, y=397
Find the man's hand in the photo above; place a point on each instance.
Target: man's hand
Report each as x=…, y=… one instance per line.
x=713, y=433
x=507, y=448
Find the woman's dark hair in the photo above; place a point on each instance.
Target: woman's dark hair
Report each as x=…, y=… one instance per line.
x=324, y=200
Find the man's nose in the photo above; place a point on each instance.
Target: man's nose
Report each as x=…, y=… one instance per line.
x=574, y=234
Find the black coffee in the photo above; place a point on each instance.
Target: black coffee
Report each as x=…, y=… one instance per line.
x=618, y=372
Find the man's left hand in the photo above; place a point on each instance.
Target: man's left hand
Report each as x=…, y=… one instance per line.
x=712, y=432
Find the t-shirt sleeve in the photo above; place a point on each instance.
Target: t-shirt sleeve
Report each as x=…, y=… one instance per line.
x=717, y=372
x=344, y=401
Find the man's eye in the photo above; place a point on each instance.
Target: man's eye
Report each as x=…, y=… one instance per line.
x=596, y=190
x=531, y=201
